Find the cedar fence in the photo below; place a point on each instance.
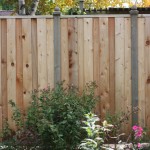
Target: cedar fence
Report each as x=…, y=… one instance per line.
x=42, y=50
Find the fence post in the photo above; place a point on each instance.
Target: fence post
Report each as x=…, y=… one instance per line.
x=57, y=47
x=81, y=4
x=134, y=61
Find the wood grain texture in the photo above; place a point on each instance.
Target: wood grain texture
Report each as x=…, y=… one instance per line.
x=4, y=68
x=141, y=73
x=92, y=49
x=50, y=52
x=81, y=53
x=147, y=69
x=88, y=51
x=34, y=54
x=104, y=66
x=127, y=73
x=11, y=68
x=64, y=51
x=42, y=54
x=73, y=51
x=19, y=65
x=27, y=62
x=111, y=35
x=96, y=59
x=119, y=64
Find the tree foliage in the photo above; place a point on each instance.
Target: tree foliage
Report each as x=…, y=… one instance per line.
x=46, y=7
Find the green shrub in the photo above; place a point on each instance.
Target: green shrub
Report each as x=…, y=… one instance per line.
x=54, y=118
x=96, y=134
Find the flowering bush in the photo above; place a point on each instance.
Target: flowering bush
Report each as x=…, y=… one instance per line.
x=138, y=135
x=138, y=131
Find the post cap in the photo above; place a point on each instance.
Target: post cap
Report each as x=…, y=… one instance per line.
x=57, y=8
x=134, y=7
x=134, y=10
x=56, y=11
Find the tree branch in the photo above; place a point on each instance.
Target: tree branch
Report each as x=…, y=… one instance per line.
x=21, y=7
x=34, y=7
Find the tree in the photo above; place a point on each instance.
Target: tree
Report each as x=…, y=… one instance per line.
x=33, y=7
x=46, y=7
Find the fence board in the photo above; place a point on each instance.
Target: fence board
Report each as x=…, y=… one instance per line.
x=104, y=66
x=27, y=62
x=50, y=52
x=127, y=73
x=11, y=67
x=73, y=53
x=42, y=62
x=147, y=65
x=88, y=50
x=4, y=68
x=64, y=51
x=119, y=64
x=96, y=61
x=141, y=73
x=34, y=54
x=19, y=65
x=111, y=35
x=81, y=53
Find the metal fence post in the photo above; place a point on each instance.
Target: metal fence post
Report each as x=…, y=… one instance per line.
x=134, y=61
x=81, y=4
x=57, y=47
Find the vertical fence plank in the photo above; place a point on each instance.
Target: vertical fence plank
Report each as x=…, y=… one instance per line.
x=27, y=62
x=119, y=64
x=4, y=68
x=88, y=50
x=34, y=54
x=81, y=52
x=127, y=73
x=96, y=61
x=141, y=71
x=76, y=55
x=147, y=65
x=42, y=62
x=19, y=65
x=50, y=52
x=64, y=51
x=73, y=53
x=111, y=35
x=104, y=66
x=11, y=67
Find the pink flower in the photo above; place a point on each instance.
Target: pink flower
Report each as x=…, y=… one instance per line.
x=139, y=145
x=135, y=127
x=138, y=131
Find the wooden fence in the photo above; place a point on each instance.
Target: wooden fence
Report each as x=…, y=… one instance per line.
x=93, y=48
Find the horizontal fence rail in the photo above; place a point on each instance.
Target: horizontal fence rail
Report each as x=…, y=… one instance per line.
x=92, y=49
